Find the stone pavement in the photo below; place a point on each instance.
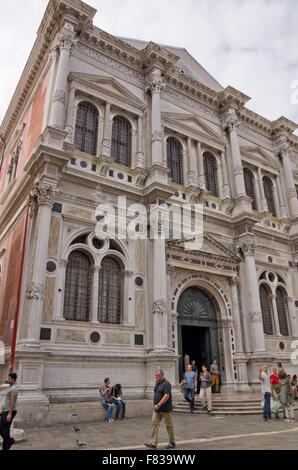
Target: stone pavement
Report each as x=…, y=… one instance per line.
x=193, y=432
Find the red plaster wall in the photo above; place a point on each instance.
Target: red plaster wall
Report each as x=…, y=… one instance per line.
x=33, y=125
x=9, y=278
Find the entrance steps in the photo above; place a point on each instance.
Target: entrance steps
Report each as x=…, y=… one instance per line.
x=223, y=405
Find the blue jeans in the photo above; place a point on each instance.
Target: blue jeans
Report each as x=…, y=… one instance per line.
x=190, y=400
x=110, y=407
x=267, y=410
x=120, y=403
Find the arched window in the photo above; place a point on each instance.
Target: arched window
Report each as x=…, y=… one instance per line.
x=210, y=171
x=282, y=311
x=77, y=287
x=268, y=190
x=109, y=291
x=174, y=160
x=249, y=187
x=266, y=310
x=121, y=141
x=86, y=128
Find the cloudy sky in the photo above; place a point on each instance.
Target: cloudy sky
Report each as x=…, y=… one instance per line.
x=249, y=44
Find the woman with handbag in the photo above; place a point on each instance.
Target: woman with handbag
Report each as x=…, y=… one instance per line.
x=107, y=400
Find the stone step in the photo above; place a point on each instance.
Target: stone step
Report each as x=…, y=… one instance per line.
x=223, y=413
x=75, y=413
x=214, y=407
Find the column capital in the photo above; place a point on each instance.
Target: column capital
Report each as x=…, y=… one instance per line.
x=255, y=317
x=231, y=120
x=67, y=37
x=234, y=281
x=248, y=247
x=35, y=291
x=160, y=306
x=43, y=193
x=156, y=85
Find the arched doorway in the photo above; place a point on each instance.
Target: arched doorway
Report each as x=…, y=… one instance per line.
x=197, y=329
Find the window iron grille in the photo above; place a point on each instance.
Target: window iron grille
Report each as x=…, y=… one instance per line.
x=249, y=187
x=86, y=128
x=210, y=171
x=121, y=141
x=109, y=291
x=266, y=310
x=77, y=287
x=174, y=160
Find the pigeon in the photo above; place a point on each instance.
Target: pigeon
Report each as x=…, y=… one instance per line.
x=80, y=444
x=76, y=429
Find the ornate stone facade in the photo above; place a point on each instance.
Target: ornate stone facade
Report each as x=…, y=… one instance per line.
x=174, y=296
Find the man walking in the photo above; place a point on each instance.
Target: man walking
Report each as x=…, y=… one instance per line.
x=9, y=412
x=214, y=373
x=205, y=392
x=266, y=390
x=190, y=380
x=162, y=410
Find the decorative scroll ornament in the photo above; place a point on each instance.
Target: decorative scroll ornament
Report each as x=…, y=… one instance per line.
x=238, y=171
x=255, y=317
x=35, y=291
x=67, y=37
x=59, y=96
x=231, y=121
x=156, y=136
x=283, y=145
x=43, y=193
x=248, y=248
x=160, y=306
x=155, y=86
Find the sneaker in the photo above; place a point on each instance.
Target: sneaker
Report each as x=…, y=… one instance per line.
x=110, y=420
x=191, y=410
x=151, y=446
x=265, y=419
x=171, y=445
x=117, y=417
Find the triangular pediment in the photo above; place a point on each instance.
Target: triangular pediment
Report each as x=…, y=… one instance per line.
x=107, y=86
x=191, y=124
x=257, y=154
x=208, y=246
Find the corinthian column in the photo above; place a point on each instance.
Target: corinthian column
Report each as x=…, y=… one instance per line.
x=192, y=176
x=231, y=122
x=254, y=311
x=106, y=141
x=201, y=178
x=67, y=40
x=236, y=315
x=284, y=151
x=43, y=194
x=226, y=187
x=263, y=200
x=159, y=306
x=156, y=85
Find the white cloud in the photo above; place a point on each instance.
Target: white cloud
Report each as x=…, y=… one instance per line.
x=249, y=44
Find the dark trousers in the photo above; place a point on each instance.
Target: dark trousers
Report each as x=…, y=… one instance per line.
x=5, y=429
x=267, y=410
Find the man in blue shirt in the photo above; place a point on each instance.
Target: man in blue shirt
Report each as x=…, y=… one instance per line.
x=190, y=380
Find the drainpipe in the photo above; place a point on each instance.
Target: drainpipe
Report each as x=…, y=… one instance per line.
x=16, y=314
